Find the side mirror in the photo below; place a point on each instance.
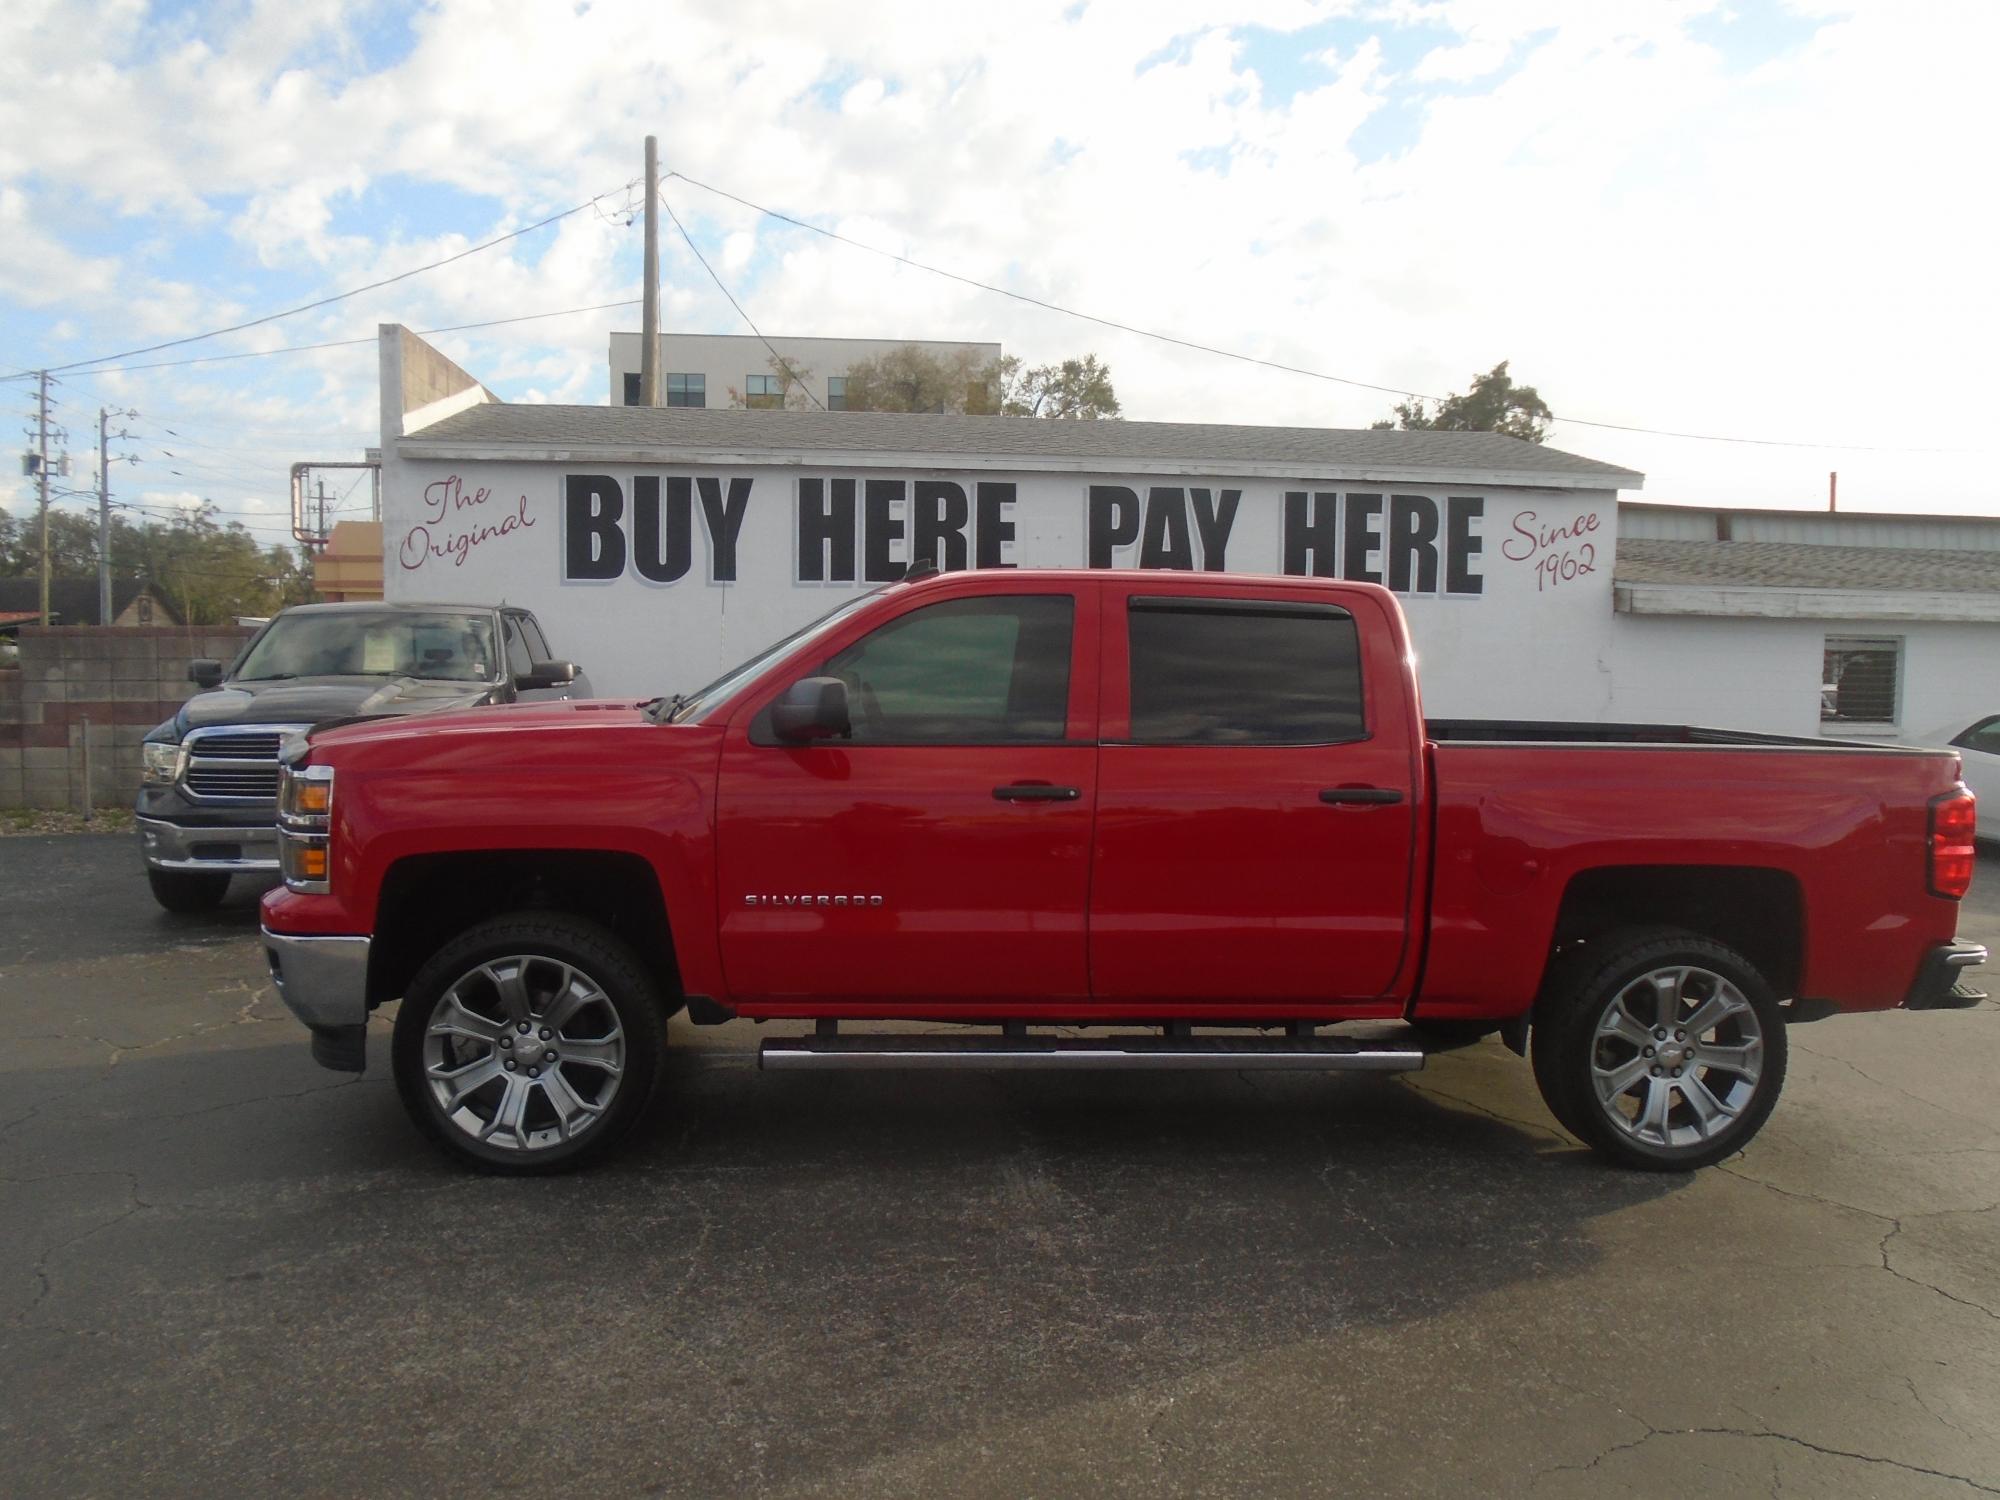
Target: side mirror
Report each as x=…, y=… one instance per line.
x=205, y=672
x=814, y=708
x=547, y=674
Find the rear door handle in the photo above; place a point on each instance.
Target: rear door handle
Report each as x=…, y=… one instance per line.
x=1035, y=791
x=1363, y=795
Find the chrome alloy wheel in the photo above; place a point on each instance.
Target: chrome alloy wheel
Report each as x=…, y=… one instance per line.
x=524, y=1053
x=1676, y=1057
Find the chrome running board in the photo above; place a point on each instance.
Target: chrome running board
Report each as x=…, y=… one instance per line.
x=1066, y=1054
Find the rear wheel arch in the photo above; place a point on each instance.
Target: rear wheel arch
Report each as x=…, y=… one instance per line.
x=1757, y=911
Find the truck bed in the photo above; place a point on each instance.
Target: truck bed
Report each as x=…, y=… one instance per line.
x=1558, y=732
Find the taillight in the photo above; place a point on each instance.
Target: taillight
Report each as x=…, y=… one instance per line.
x=1954, y=815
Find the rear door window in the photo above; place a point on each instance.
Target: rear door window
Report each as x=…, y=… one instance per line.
x=1243, y=672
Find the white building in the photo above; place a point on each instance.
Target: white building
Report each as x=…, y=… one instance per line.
x=702, y=369
x=661, y=546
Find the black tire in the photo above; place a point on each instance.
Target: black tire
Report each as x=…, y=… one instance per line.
x=1568, y=1050
x=188, y=891
x=623, y=989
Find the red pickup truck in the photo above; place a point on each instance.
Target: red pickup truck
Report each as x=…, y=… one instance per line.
x=1202, y=811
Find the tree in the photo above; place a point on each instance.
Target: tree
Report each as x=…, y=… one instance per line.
x=1494, y=404
x=1076, y=389
x=913, y=378
x=209, y=571
x=916, y=379
x=791, y=394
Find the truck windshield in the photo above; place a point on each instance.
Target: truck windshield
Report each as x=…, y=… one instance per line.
x=440, y=645
x=726, y=686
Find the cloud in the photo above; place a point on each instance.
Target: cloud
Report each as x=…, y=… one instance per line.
x=1661, y=223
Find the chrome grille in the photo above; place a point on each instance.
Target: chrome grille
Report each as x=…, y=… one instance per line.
x=236, y=763
x=235, y=745
x=247, y=780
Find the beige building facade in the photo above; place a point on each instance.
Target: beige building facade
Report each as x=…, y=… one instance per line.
x=727, y=369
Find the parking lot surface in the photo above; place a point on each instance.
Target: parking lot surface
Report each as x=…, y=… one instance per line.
x=223, y=1269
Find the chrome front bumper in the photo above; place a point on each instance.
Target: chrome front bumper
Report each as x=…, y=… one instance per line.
x=322, y=980
x=250, y=849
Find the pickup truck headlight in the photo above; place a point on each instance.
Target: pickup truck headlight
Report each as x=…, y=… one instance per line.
x=162, y=763
x=305, y=827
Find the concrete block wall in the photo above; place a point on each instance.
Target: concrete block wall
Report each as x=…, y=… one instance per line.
x=109, y=685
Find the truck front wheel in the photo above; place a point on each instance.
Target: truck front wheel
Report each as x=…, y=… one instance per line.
x=529, y=1043
x=188, y=891
x=1660, y=1049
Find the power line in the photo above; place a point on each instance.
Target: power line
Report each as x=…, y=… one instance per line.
x=292, y=312
x=779, y=359
x=1250, y=359
x=209, y=359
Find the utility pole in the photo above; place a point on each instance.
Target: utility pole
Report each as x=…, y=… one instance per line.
x=649, y=332
x=42, y=481
x=104, y=461
x=322, y=512
x=103, y=515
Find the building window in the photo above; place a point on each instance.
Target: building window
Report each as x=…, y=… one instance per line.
x=836, y=393
x=631, y=390
x=687, y=390
x=1861, y=681
x=762, y=390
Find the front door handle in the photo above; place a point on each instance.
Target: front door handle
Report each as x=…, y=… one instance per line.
x=1035, y=791
x=1361, y=795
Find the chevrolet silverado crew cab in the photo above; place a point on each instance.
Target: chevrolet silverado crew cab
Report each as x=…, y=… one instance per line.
x=1103, y=820
x=208, y=792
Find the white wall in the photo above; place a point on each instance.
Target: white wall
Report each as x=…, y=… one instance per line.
x=727, y=360
x=1524, y=637
x=1765, y=674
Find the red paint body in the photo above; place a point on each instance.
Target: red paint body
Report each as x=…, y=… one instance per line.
x=1184, y=882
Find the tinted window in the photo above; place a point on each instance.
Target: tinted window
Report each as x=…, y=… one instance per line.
x=537, y=647
x=517, y=648
x=967, y=671
x=1244, y=673
x=1984, y=736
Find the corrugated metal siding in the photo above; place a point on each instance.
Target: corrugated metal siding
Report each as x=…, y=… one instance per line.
x=1809, y=528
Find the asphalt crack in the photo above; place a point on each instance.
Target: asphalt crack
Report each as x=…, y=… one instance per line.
x=1764, y=1434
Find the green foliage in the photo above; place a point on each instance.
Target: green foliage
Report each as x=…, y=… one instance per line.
x=210, y=572
x=913, y=378
x=1494, y=404
x=916, y=379
x=1076, y=389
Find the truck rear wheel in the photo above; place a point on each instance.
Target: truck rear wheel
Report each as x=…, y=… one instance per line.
x=529, y=1043
x=188, y=891
x=1661, y=1050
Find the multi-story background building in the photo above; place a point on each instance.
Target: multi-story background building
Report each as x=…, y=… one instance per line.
x=729, y=369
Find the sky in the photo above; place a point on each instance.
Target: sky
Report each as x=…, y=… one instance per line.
x=1766, y=219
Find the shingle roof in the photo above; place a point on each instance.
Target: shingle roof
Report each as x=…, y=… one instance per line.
x=73, y=601
x=1804, y=565
x=1308, y=449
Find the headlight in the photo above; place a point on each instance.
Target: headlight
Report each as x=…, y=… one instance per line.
x=163, y=763
x=305, y=826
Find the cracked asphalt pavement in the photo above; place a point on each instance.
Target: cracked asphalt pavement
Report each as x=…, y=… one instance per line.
x=224, y=1270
